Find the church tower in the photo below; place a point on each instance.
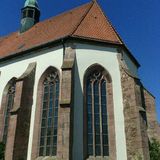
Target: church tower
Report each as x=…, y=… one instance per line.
x=30, y=15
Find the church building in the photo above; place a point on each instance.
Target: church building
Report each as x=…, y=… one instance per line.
x=69, y=90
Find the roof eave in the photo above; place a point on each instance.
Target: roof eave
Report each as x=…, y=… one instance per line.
x=60, y=40
x=37, y=47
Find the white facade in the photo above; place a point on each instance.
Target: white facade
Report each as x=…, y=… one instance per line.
x=15, y=68
x=86, y=55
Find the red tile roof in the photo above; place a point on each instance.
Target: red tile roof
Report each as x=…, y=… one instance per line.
x=86, y=21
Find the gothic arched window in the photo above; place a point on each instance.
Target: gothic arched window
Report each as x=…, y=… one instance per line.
x=49, y=119
x=96, y=107
x=9, y=105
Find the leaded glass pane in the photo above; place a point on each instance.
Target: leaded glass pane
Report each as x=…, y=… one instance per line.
x=98, y=150
x=97, y=124
x=54, y=150
x=90, y=149
x=89, y=128
x=98, y=139
x=55, y=131
x=89, y=118
x=42, y=141
x=89, y=99
x=104, y=119
x=48, y=140
x=90, y=138
x=49, y=116
x=55, y=140
x=89, y=106
x=47, y=151
x=41, y=151
x=105, y=150
x=105, y=139
x=105, y=128
x=9, y=106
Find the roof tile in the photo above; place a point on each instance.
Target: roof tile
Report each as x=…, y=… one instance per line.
x=96, y=26
x=86, y=21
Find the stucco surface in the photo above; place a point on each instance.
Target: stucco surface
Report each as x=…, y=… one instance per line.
x=17, y=67
x=86, y=56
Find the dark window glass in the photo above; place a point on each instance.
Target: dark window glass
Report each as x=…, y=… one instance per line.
x=41, y=151
x=9, y=106
x=105, y=139
x=42, y=141
x=89, y=98
x=98, y=150
x=90, y=138
x=48, y=139
x=97, y=124
x=54, y=150
x=24, y=14
x=90, y=149
x=105, y=150
x=55, y=140
x=104, y=119
x=98, y=139
x=30, y=13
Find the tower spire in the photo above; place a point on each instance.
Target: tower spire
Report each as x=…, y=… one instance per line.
x=30, y=15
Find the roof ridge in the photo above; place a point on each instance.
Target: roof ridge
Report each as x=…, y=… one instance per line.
x=107, y=20
x=83, y=17
x=60, y=14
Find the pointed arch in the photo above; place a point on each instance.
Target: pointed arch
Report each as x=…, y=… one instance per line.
x=46, y=116
x=99, y=130
x=6, y=107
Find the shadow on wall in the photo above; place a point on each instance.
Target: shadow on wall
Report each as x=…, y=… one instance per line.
x=77, y=147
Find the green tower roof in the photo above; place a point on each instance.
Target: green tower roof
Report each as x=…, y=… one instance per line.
x=31, y=3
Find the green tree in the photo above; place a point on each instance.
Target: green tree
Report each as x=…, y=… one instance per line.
x=154, y=149
x=2, y=148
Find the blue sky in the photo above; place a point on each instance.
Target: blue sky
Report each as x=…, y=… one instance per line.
x=137, y=22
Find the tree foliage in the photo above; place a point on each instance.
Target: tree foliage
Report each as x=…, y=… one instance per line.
x=154, y=149
x=2, y=148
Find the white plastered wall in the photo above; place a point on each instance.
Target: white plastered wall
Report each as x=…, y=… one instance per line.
x=17, y=67
x=87, y=55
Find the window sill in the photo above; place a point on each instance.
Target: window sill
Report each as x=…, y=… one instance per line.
x=46, y=158
x=98, y=158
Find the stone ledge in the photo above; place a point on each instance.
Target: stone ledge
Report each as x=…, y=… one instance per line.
x=46, y=158
x=98, y=158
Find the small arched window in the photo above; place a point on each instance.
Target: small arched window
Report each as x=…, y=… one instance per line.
x=9, y=105
x=97, y=119
x=49, y=116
